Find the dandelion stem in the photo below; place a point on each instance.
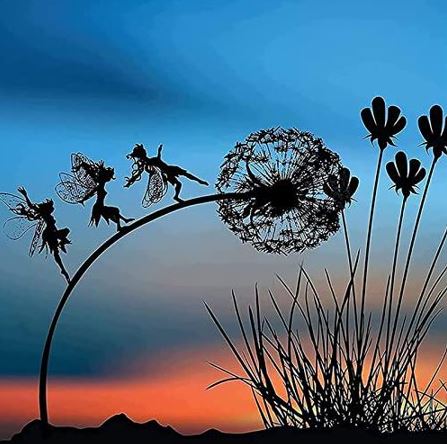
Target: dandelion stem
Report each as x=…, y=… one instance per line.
x=43, y=407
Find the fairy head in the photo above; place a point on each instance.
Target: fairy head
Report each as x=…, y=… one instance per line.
x=138, y=152
x=46, y=207
x=106, y=174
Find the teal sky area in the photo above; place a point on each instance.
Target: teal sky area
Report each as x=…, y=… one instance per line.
x=99, y=76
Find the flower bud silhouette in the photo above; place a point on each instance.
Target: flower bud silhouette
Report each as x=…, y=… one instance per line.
x=382, y=127
x=341, y=188
x=433, y=132
x=405, y=175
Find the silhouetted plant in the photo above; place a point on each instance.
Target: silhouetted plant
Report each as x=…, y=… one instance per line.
x=339, y=368
x=431, y=130
x=285, y=170
x=302, y=367
x=405, y=176
x=434, y=131
x=383, y=125
x=341, y=188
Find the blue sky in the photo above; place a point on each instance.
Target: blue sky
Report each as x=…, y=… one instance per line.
x=99, y=76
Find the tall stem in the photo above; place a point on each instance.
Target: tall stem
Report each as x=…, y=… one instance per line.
x=411, y=246
x=368, y=245
x=351, y=272
x=347, y=242
x=393, y=272
x=43, y=406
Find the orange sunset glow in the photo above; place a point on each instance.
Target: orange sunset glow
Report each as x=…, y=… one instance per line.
x=174, y=394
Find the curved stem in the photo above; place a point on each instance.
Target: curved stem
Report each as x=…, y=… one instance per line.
x=43, y=407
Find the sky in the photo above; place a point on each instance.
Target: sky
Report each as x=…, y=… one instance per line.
x=99, y=76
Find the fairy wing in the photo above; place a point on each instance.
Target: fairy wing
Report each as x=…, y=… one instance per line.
x=26, y=218
x=82, y=168
x=37, y=238
x=19, y=206
x=16, y=227
x=13, y=202
x=156, y=188
x=70, y=189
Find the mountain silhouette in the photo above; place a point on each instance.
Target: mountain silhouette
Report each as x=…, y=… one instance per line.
x=121, y=429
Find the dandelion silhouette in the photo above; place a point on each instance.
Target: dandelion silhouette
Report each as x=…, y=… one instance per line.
x=37, y=216
x=159, y=174
x=89, y=179
x=285, y=171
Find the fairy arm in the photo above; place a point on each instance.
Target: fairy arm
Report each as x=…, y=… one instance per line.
x=23, y=192
x=160, y=148
x=135, y=177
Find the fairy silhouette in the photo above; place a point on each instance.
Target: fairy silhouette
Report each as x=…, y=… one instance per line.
x=160, y=174
x=89, y=179
x=29, y=215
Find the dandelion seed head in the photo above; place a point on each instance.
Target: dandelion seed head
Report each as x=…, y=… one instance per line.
x=283, y=171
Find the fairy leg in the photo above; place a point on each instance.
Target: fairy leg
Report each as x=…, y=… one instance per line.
x=59, y=262
x=126, y=219
x=195, y=178
x=178, y=186
x=116, y=217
